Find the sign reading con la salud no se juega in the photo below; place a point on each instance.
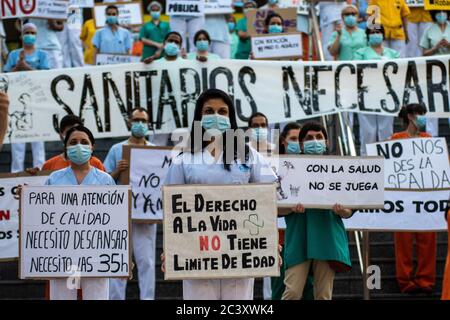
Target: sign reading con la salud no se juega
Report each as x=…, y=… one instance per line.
x=67, y=229
x=226, y=231
x=102, y=95
x=323, y=181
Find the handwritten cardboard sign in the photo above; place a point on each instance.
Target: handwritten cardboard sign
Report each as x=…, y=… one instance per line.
x=256, y=18
x=277, y=46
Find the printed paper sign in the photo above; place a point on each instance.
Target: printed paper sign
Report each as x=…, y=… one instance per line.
x=420, y=163
x=414, y=3
x=437, y=4
x=105, y=59
x=130, y=13
x=216, y=232
x=277, y=46
x=75, y=229
x=218, y=6
x=323, y=181
x=404, y=211
x=191, y=8
x=82, y=3
x=9, y=211
x=147, y=172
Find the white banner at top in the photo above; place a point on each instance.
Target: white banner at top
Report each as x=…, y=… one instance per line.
x=45, y=9
x=283, y=90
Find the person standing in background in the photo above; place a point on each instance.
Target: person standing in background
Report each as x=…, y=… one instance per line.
x=69, y=38
x=244, y=45
x=418, y=21
x=112, y=38
x=362, y=9
x=87, y=34
x=436, y=41
x=423, y=279
x=217, y=27
x=203, y=45
x=143, y=234
x=27, y=58
x=47, y=40
x=233, y=37
x=393, y=15
x=373, y=127
x=330, y=18
x=187, y=26
x=152, y=33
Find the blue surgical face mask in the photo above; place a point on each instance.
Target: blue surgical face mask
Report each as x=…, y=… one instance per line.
x=421, y=123
x=441, y=17
x=216, y=121
x=375, y=39
x=231, y=26
x=139, y=129
x=314, y=147
x=259, y=134
x=79, y=154
x=155, y=15
x=274, y=28
x=112, y=20
x=171, y=49
x=29, y=39
x=202, y=45
x=293, y=147
x=350, y=21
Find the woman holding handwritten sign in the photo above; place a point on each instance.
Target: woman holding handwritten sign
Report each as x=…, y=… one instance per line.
x=217, y=160
x=315, y=238
x=78, y=147
x=424, y=279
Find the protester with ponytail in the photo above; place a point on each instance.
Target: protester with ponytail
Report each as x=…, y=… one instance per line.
x=423, y=280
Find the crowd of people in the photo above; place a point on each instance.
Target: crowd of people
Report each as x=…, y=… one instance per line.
x=347, y=34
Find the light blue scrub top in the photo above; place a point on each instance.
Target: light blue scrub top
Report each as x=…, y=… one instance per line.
x=115, y=155
x=66, y=177
x=38, y=60
x=199, y=168
x=107, y=41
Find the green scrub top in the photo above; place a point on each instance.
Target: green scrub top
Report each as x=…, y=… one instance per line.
x=317, y=234
x=368, y=53
x=433, y=35
x=244, y=46
x=155, y=33
x=349, y=43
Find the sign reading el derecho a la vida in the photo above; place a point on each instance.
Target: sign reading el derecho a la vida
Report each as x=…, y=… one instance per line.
x=147, y=171
x=191, y=8
x=130, y=13
x=45, y=9
x=9, y=210
x=227, y=231
x=323, y=181
x=277, y=46
x=68, y=229
x=420, y=163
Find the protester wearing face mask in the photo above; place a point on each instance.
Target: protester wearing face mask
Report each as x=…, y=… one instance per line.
x=217, y=27
x=78, y=148
x=273, y=24
x=233, y=37
x=259, y=126
x=373, y=128
x=211, y=158
x=143, y=235
x=153, y=33
x=423, y=280
x=344, y=42
x=203, y=45
x=315, y=238
x=171, y=51
x=27, y=58
x=112, y=38
x=244, y=45
x=436, y=41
